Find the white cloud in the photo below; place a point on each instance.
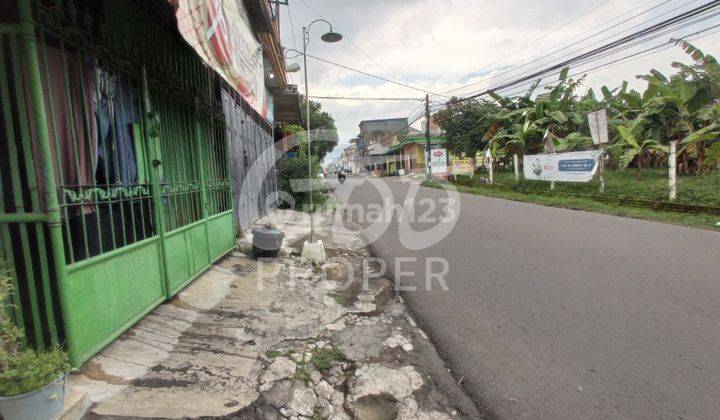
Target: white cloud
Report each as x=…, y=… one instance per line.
x=437, y=44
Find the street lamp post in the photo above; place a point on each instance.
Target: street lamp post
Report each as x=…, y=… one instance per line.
x=312, y=250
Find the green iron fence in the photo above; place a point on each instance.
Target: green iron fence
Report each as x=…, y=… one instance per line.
x=115, y=172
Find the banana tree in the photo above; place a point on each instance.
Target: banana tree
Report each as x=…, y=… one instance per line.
x=518, y=137
x=705, y=68
x=705, y=75
x=628, y=147
x=706, y=140
x=671, y=107
x=524, y=120
x=573, y=141
x=623, y=105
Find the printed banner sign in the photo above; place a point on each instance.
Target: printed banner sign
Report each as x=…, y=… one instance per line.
x=563, y=167
x=305, y=185
x=438, y=161
x=598, y=126
x=462, y=166
x=219, y=32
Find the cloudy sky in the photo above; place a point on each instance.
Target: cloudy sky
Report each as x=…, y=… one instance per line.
x=440, y=45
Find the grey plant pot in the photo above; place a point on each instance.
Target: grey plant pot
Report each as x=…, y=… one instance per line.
x=42, y=404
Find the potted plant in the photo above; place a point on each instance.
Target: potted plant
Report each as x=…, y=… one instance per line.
x=32, y=383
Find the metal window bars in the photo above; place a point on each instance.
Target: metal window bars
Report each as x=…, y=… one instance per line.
x=121, y=176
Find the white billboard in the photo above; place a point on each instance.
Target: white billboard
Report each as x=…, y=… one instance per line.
x=563, y=167
x=598, y=126
x=438, y=161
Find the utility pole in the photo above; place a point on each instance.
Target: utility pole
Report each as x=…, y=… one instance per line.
x=672, y=171
x=427, y=136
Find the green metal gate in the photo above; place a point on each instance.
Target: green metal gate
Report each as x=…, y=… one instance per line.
x=117, y=173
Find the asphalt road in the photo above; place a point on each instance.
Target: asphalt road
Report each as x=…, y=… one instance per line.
x=562, y=314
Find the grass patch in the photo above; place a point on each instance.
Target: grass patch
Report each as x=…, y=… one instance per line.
x=705, y=221
x=699, y=190
x=303, y=374
x=271, y=354
x=323, y=358
x=317, y=414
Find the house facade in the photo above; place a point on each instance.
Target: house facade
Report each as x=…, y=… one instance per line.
x=129, y=155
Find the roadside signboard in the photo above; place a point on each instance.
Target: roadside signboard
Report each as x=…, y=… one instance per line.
x=462, y=166
x=598, y=126
x=305, y=185
x=438, y=161
x=220, y=33
x=563, y=167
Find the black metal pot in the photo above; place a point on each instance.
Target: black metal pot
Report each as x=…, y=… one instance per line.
x=267, y=241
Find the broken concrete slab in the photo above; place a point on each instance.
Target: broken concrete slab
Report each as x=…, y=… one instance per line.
x=276, y=339
x=376, y=379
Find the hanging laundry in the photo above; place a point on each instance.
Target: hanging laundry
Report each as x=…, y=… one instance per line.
x=67, y=82
x=117, y=110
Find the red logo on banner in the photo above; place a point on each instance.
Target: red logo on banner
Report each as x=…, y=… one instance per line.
x=217, y=32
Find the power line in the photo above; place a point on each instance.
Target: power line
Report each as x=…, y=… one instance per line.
x=387, y=73
x=357, y=98
x=292, y=32
x=613, y=52
x=536, y=40
x=635, y=56
x=350, y=41
x=605, y=65
x=606, y=47
x=541, y=55
x=373, y=75
x=292, y=27
x=630, y=57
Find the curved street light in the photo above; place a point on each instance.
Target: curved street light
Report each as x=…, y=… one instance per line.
x=331, y=37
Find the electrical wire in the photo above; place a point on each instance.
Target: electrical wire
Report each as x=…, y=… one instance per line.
x=357, y=98
x=542, y=55
x=642, y=41
x=621, y=60
x=617, y=51
x=545, y=35
x=292, y=27
x=606, y=47
x=390, y=77
x=348, y=39
x=373, y=75
x=387, y=73
x=292, y=32
x=632, y=57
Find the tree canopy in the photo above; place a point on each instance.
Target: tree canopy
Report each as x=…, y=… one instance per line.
x=322, y=124
x=465, y=124
x=683, y=107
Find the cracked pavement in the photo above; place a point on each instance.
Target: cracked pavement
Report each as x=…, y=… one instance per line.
x=305, y=342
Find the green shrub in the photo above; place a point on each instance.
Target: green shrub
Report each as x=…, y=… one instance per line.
x=295, y=168
x=27, y=370
x=323, y=358
x=22, y=370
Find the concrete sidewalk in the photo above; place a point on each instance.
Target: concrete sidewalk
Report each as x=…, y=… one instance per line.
x=301, y=343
